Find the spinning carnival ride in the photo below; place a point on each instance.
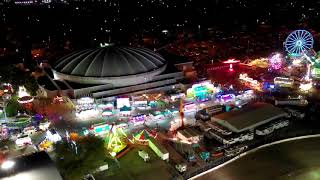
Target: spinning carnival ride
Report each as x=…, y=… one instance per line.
x=298, y=42
x=299, y=45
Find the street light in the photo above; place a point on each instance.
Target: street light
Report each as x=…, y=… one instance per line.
x=6, y=165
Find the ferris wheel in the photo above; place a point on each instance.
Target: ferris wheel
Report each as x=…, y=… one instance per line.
x=299, y=41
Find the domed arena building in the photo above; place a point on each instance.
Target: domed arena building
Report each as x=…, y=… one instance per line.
x=113, y=70
x=120, y=66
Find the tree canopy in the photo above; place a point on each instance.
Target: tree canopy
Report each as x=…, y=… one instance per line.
x=74, y=164
x=13, y=107
x=17, y=77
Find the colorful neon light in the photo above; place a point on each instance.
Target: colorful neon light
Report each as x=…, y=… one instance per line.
x=276, y=61
x=115, y=142
x=305, y=87
x=246, y=78
x=231, y=62
x=282, y=81
x=228, y=97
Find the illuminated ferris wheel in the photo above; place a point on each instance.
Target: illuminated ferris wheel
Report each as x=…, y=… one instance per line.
x=299, y=41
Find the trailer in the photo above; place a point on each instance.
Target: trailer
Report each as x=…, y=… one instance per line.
x=144, y=155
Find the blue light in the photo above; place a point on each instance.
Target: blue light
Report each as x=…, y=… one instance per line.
x=298, y=42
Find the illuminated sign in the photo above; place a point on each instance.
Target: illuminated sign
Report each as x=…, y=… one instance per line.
x=121, y=102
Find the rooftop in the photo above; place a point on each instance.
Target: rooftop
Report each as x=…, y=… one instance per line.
x=110, y=61
x=249, y=117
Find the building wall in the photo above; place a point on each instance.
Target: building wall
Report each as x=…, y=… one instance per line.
x=133, y=88
x=89, y=90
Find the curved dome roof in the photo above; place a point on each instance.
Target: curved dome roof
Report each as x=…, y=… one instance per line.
x=110, y=61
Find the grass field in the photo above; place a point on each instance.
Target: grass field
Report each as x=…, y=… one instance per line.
x=133, y=167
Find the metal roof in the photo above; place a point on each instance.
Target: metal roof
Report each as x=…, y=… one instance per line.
x=109, y=61
x=249, y=117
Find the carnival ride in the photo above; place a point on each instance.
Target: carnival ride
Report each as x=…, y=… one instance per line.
x=24, y=97
x=201, y=91
x=261, y=62
x=143, y=136
x=115, y=140
x=276, y=61
x=298, y=42
x=231, y=62
x=249, y=81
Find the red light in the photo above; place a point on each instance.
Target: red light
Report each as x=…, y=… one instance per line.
x=231, y=61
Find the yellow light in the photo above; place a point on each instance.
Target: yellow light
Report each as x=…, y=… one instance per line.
x=305, y=87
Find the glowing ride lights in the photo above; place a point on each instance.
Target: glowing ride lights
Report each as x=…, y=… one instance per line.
x=298, y=42
x=315, y=72
x=283, y=81
x=115, y=141
x=138, y=120
x=25, y=100
x=144, y=136
x=297, y=62
x=87, y=113
x=22, y=92
x=276, y=61
x=107, y=109
x=201, y=91
x=251, y=81
x=261, y=63
x=225, y=98
x=58, y=99
x=305, y=86
x=191, y=107
x=7, y=164
x=231, y=62
x=86, y=108
x=24, y=96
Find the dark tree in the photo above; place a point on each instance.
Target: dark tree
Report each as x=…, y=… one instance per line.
x=74, y=164
x=18, y=77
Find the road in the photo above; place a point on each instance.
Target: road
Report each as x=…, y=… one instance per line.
x=297, y=160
